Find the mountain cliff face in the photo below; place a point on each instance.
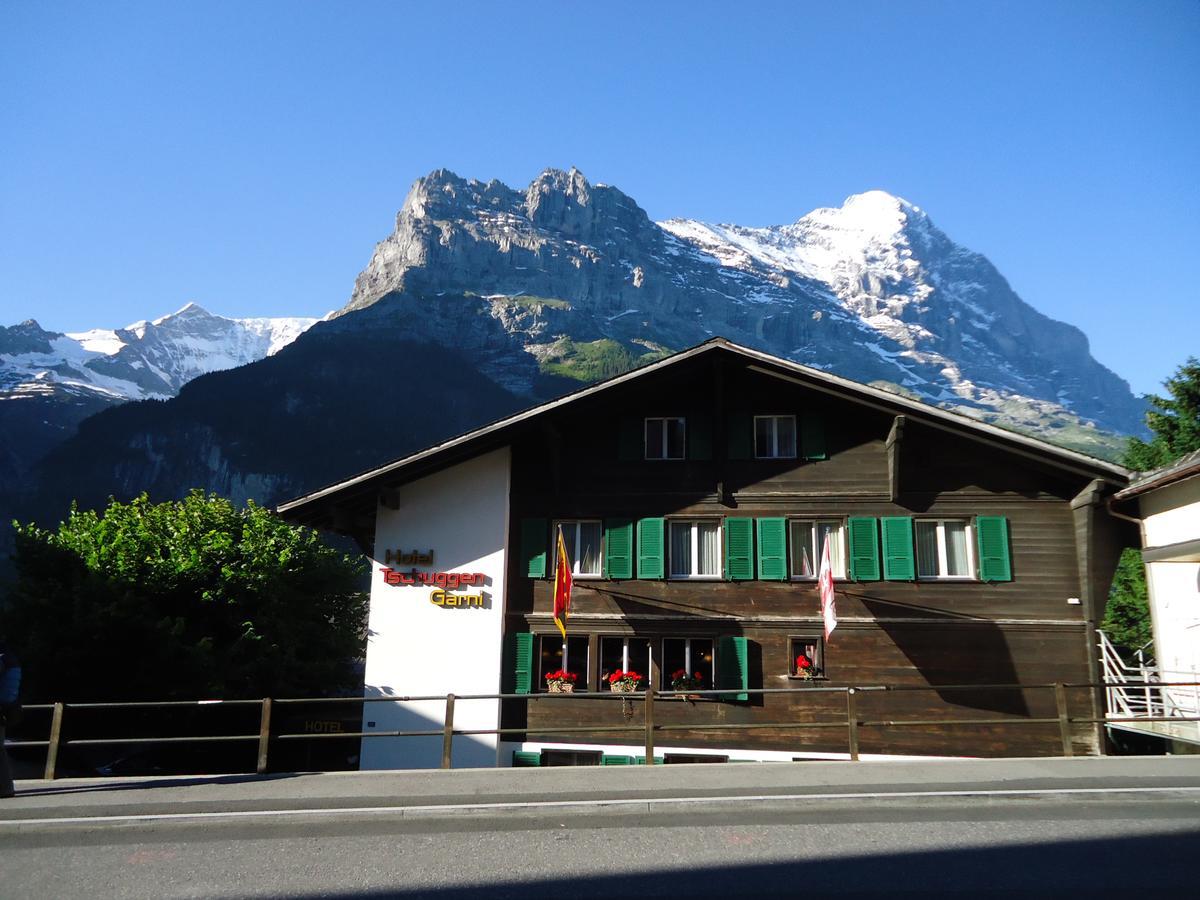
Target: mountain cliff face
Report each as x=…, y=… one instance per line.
x=485, y=299
x=872, y=290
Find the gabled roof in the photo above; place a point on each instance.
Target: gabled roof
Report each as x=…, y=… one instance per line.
x=469, y=444
x=1184, y=467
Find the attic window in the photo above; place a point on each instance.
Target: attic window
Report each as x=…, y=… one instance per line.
x=665, y=438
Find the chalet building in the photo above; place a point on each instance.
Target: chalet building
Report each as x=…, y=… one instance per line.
x=695, y=496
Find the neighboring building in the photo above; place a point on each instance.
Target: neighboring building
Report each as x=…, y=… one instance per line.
x=1167, y=501
x=695, y=494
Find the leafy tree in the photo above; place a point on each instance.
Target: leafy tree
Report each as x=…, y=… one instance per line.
x=185, y=599
x=1175, y=423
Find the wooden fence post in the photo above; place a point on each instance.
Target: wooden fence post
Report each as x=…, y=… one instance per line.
x=264, y=736
x=649, y=725
x=852, y=721
x=1064, y=721
x=448, y=732
x=55, y=736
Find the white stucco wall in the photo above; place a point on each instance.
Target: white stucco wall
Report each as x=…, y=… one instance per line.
x=1171, y=515
x=418, y=648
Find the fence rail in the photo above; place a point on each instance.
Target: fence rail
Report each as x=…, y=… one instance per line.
x=648, y=728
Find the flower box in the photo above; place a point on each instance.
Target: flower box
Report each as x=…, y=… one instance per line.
x=560, y=687
x=624, y=687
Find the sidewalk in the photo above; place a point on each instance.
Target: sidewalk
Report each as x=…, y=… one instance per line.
x=504, y=791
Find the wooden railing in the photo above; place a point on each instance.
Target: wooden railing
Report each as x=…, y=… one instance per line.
x=648, y=730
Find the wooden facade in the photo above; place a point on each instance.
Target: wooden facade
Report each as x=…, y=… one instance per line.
x=860, y=455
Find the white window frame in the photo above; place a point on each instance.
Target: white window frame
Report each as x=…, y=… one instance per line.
x=567, y=524
x=587, y=659
x=775, y=438
x=665, y=676
x=692, y=523
x=841, y=544
x=942, y=557
x=662, y=422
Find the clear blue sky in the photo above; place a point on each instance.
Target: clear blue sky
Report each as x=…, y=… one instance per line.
x=248, y=156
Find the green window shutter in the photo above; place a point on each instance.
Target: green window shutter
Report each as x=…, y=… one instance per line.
x=698, y=436
x=864, y=548
x=733, y=667
x=812, y=436
x=650, y=548
x=630, y=439
x=616, y=760
x=522, y=658
x=899, y=558
x=525, y=758
x=533, y=546
x=995, y=562
x=772, y=549
x=618, y=548
x=739, y=549
x=741, y=436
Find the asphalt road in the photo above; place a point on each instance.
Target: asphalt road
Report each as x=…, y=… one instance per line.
x=1011, y=829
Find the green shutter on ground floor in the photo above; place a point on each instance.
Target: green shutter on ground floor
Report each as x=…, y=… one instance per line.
x=739, y=549
x=618, y=548
x=864, y=548
x=772, y=549
x=521, y=656
x=611, y=759
x=733, y=667
x=525, y=758
x=995, y=561
x=533, y=547
x=650, y=555
x=899, y=557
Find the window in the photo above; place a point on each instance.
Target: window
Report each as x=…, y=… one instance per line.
x=554, y=653
x=944, y=548
x=584, y=540
x=807, y=540
x=571, y=757
x=775, y=437
x=806, y=657
x=664, y=438
x=689, y=655
x=624, y=654
x=695, y=549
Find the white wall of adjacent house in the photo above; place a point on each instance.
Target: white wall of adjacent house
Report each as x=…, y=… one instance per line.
x=416, y=647
x=1171, y=515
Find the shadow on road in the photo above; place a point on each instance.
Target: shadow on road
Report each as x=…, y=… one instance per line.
x=1125, y=867
x=126, y=784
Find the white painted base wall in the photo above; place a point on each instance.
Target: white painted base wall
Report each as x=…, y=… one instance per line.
x=417, y=648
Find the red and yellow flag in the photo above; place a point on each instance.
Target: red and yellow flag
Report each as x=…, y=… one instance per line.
x=562, y=584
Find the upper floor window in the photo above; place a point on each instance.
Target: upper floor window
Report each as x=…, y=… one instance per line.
x=775, y=437
x=807, y=542
x=665, y=438
x=695, y=549
x=944, y=548
x=583, y=540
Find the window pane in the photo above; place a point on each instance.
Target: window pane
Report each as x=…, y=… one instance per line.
x=681, y=548
x=802, y=550
x=785, y=431
x=702, y=661
x=549, y=658
x=611, y=656
x=588, y=561
x=709, y=543
x=830, y=532
x=763, y=443
x=639, y=659
x=654, y=439
x=674, y=438
x=577, y=660
x=956, y=548
x=568, y=533
x=674, y=659
x=927, y=555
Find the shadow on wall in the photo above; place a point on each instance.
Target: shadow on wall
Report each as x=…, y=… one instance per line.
x=976, y=655
x=421, y=752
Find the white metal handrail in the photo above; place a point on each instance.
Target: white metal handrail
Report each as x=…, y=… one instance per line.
x=1136, y=692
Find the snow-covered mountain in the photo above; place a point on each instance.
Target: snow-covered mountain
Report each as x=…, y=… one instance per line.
x=145, y=360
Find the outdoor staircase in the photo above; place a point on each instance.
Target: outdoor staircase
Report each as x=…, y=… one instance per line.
x=1144, y=699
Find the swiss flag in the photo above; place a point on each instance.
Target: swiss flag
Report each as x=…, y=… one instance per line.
x=825, y=585
x=562, y=584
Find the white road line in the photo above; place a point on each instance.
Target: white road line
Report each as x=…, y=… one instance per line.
x=649, y=802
